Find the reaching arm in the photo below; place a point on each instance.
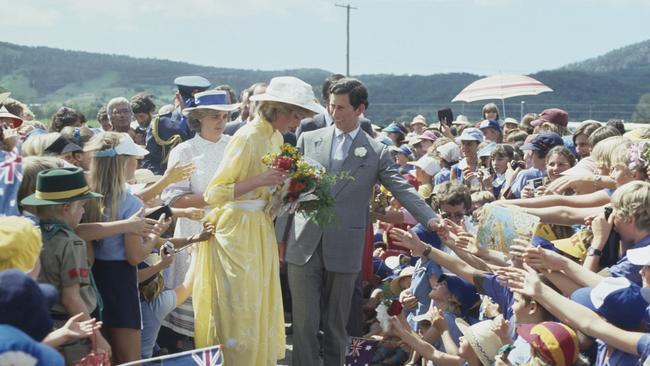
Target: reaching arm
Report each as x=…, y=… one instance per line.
x=422, y=347
x=527, y=282
x=455, y=265
x=582, y=201
x=563, y=215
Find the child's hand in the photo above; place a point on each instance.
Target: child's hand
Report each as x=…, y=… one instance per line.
x=166, y=259
x=179, y=172
x=207, y=233
x=137, y=224
x=191, y=213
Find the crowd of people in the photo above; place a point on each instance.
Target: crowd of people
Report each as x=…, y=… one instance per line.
x=151, y=233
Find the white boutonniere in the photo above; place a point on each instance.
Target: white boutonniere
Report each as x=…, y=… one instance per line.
x=360, y=152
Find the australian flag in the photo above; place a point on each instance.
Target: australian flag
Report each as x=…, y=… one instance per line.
x=360, y=352
x=210, y=356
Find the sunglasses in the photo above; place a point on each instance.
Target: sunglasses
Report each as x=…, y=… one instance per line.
x=452, y=215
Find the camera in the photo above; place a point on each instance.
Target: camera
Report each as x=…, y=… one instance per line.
x=517, y=164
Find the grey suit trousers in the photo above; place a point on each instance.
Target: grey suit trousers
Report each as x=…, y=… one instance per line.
x=315, y=292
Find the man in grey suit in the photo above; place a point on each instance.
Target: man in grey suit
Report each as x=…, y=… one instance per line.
x=323, y=262
x=324, y=120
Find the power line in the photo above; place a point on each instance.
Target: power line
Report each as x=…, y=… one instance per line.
x=347, y=50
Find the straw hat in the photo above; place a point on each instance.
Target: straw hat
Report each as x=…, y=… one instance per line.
x=394, y=284
x=483, y=340
x=290, y=90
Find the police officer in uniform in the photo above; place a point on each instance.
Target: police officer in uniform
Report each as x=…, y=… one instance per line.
x=167, y=131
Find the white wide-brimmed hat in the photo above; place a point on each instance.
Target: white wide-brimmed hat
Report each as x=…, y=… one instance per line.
x=212, y=99
x=290, y=90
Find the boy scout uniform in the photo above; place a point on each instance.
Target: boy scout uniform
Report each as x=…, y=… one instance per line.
x=64, y=255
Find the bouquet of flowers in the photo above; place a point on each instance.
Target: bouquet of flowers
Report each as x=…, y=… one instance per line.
x=308, y=188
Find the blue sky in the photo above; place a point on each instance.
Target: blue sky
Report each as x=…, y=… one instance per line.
x=388, y=36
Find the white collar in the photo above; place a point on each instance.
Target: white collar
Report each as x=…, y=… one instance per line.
x=352, y=133
x=222, y=140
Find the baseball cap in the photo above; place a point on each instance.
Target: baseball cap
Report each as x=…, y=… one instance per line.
x=543, y=142
x=487, y=123
x=639, y=256
x=555, y=342
x=471, y=134
x=511, y=121
x=450, y=152
x=620, y=301
x=428, y=164
x=26, y=304
x=426, y=135
x=555, y=116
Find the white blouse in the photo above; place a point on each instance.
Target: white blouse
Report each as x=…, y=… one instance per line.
x=206, y=156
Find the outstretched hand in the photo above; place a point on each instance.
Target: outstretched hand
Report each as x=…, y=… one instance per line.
x=179, y=172
x=408, y=240
x=524, y=281
x=140, y=225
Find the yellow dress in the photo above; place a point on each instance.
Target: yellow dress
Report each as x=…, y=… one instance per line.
x=237, y=297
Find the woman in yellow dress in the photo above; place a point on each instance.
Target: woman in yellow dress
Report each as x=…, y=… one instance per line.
x=237, y=297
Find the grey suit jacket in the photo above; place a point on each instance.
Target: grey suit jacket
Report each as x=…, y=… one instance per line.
x=368, y=161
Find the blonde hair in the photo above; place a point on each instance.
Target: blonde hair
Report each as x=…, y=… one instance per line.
x=36, y=145
x=602, y=152
x=620, y=154
x=32, y=165
x=107, y=176
x=20, y=243
x=482, y=197
x=270, y=109
x=633, y=200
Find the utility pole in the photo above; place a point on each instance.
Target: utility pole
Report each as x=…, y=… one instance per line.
x=347, y=51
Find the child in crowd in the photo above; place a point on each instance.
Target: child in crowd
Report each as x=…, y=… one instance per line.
x=116, y=257
x=59, y=200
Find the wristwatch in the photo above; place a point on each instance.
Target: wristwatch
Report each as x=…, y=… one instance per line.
x=426, y=251
x=595, y=252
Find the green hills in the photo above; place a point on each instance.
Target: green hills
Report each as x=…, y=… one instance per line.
x=614, y=85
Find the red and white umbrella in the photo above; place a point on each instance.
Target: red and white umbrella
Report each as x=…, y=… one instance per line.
x=501, y=87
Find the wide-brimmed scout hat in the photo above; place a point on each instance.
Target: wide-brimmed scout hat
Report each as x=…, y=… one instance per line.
x=58, y=186
x=290, y=90
x=212, y=99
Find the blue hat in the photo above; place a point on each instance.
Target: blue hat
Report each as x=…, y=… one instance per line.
x=538, y=241
x=543, y=142
x=464, y=291
x=471, y=134
x=620, y=301
x=402, y=150
x=212, y=99
x=26, y=304
x=488, y=123
x=192, y=82
x=393, y=127
x=380, y=268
